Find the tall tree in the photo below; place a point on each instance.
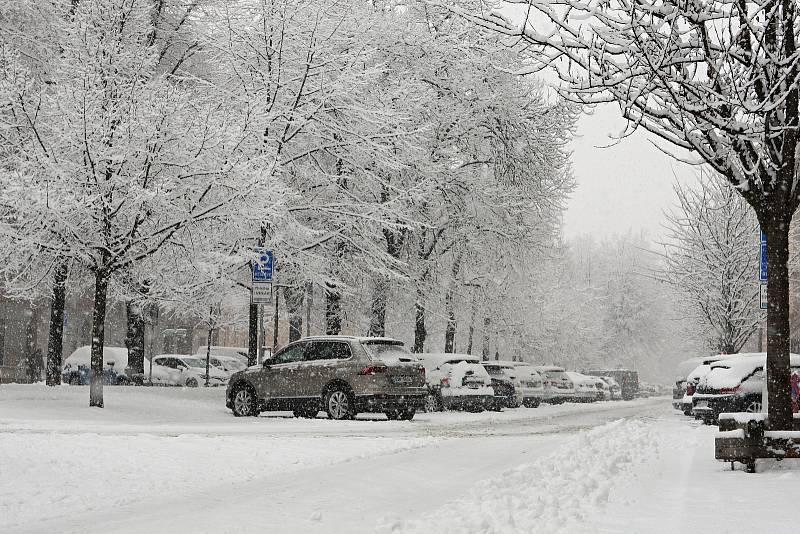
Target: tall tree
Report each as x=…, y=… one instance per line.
x=116, y=155
x=711, y=259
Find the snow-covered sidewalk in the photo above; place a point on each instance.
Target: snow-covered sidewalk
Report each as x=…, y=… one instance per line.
x=654, y=475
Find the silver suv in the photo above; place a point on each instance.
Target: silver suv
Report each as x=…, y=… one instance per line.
x=339, y=374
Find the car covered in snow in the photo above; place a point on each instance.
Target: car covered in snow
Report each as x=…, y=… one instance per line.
x=531, y=384
x=456, y=381
x=735, y=384
x=76, y=369
x=505, y=383
x=585, y=387
x=692, y=379
x=627, y=379
x=343, y=375
x=558, y=387
x=680, y=399
x=612, y=390
x=182, y=370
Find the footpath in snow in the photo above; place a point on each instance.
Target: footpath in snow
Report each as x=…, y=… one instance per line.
x=651, y=475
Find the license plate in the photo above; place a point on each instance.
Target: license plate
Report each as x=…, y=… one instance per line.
x=402, y=380
x=701, y=404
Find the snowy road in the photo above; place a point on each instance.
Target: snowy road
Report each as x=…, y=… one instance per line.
x=173, y=460
x=292, y=475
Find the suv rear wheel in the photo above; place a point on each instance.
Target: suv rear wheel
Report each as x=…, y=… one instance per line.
x=244, y=402
x=433, y=403
x=339, y=404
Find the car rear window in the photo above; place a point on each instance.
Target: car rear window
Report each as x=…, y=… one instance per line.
x=556, y=375
x=388, y=352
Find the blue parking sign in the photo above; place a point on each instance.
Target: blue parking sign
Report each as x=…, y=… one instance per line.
x=263, y=266
x=762, y=270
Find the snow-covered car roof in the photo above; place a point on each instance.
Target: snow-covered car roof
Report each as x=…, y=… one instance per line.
x=547, y=368
x=118, y=356
x=730, y=371
x=361, y=339
x=578, y=377
x=498, y=363
x=436, y=359
x=698, y=372
x=687, y=366
x=751, y=360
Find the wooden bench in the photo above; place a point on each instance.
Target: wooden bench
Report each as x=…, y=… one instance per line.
x=747, y=440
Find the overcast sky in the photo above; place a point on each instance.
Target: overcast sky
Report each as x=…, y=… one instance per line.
x=624, y=187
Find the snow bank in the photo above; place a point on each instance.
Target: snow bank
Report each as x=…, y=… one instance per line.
x=553, y=494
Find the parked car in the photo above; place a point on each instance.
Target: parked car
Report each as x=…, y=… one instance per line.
x=585, y=387
x=342, y=375
x=182, y=370
x=558, y=388
x=456, y=382
x=531, y=384
x=614, y=391
x=236, y=352
x=228, y=364
x=734, y=384
x=603, y=391
x=76, y=369
x=692, y=379
x=684, y=369
x=628, y=380
x=505, y=383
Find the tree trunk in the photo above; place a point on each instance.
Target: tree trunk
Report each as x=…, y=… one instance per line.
x=309, y=305
x=293, y=297
x=3, y=315
x=778, y=370
x=208, y=342
x=487, y=323
x=252, y=335
x=471, y=336
x=377, y=323
x=55, y=341
x=134, y=338
x=275, y=324
x=449, y=305
x=98, y=337
x=333, y=310
x=420, y=333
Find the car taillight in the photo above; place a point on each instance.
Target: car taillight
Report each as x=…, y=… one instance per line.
x=445, y=382
x=729, y=390
x=690, y=389
x=373, y=369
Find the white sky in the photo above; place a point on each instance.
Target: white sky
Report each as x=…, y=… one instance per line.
x=624, y=187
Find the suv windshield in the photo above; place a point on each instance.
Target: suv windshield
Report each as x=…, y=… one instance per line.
x=194, y=362
x=388, y=352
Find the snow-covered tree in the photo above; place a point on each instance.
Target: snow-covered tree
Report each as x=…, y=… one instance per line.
x=112, y=156
x=711, y=258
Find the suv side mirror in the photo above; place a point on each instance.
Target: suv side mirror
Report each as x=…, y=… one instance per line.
x=269, y=362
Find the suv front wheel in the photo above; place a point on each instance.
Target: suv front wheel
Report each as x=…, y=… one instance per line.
x=339, y=404
x=244, y=402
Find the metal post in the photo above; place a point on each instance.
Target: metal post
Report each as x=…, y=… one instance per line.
x=262, y=333
x=275, y=323
x=309, y=304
